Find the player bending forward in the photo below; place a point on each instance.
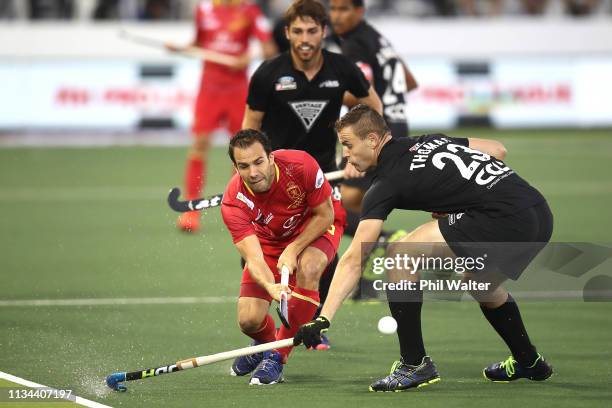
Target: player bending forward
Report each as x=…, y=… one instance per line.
x=280, y=211
x=487, y=202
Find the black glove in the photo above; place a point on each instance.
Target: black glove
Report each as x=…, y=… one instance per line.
x=310, y=333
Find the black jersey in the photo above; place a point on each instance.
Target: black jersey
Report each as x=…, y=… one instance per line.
x=300, y=114
x=438, y=173
x=374, y=54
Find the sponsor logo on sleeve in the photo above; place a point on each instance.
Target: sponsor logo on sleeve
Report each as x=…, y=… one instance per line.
x=320, y=179
x=245, y=200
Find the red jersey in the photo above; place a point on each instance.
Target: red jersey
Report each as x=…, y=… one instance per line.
x=280, y=214
x=227, y=28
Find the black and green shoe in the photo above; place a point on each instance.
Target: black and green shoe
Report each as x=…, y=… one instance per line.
x=404, y=376
x=510, y=370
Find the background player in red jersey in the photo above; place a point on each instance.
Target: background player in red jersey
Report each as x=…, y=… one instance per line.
x=279, y=210
x=224, y=27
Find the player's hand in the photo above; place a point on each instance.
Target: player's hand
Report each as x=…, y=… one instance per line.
x=351, y=172
x=288, y=258
x=275, y=289
x=171, y=47
x=310, y=333
x=242, y=61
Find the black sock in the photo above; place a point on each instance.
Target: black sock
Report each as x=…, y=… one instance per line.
x=407, y=313
x=507, y=322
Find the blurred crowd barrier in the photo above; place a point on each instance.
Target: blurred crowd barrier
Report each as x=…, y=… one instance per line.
x=507, y=73
x=183, y=9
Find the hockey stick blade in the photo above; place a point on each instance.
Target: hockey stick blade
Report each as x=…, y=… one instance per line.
x=191, y=205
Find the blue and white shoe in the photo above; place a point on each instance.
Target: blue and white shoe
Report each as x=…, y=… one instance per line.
x=325, y=344
x=269, y=371
x=246, y=364
x=404, y=376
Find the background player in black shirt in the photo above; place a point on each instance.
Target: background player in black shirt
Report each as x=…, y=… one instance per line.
x=374, y=55
x=488, y=203
x=296, y=97
x=392, y=80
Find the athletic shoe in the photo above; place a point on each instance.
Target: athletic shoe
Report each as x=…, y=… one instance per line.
x=246, y=364
x=189, y=221
x=269, y=371
x=325, y=344
x=510, y=370
x=404, y=376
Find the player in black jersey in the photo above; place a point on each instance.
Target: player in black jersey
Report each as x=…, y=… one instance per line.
x=296, y=97
x=392, y=80
x=487, y=202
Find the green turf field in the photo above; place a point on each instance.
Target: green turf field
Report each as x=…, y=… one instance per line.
x=93, y=223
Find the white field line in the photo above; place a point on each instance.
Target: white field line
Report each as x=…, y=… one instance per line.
x=27, y=383
x=536, y=295
x=119, y=301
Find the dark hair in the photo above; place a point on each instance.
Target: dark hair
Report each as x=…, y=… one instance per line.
x=357, y=3
x=363, y=120
x=306, y=8
x=247, y=137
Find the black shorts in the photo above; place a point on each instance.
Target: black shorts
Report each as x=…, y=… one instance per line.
x=510, y=242
x=398, y=129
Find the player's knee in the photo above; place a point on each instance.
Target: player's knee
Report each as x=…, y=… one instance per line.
x=310, y=271
x=249, y=323
x=200, y=145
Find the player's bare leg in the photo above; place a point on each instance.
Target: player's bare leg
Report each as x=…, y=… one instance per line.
x=195, y=177
x=254, y=321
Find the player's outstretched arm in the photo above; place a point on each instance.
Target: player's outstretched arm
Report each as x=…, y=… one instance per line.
x=346, y=277
x=348, y=270
x=488, y=146
x=250, y=250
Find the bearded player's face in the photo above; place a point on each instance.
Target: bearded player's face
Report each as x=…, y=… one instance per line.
x=305, y=37
x=255, y=167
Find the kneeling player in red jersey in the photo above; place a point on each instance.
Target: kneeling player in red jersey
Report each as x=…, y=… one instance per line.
x=280, y=211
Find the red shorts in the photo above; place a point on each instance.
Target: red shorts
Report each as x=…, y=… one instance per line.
x=218, y=107
x=328, y=243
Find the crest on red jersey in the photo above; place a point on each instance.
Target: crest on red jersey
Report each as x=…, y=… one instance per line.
x=296, y=195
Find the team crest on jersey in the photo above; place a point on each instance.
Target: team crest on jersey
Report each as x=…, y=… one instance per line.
x=308, y=111
x=286, y=83
x=296, y=195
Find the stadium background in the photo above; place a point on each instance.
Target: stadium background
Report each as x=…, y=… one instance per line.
x=95, y=278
